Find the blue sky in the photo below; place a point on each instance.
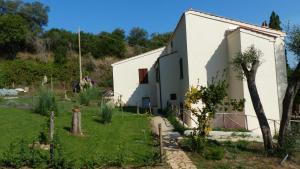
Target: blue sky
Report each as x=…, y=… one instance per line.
x=160, y=15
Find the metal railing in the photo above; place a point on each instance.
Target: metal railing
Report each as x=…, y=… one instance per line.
x=185, y=116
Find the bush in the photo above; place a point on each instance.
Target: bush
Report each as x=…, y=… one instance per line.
x=89, y=94
x=46, y=102
x=242, y=144
x=194, y=143
x=59, y=160
x=106, y=112
x=214, y=153
x=19, y=155
x=172, y=119
x=28, y=72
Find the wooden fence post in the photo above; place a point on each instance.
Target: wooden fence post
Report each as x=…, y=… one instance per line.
x=51, y=134
x=160, y=142
x=137, y=109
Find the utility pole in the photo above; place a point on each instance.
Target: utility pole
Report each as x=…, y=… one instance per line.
x=79, y=55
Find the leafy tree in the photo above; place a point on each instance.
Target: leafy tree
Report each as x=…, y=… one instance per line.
x=293, y=45
x=12, y=34
x=138, y=37
x=35, y=13
x=246, y=64
x=213, y=98
x=159, y=40
x=112, y=44
x=89, y=44
x=275, y=21
x=60, y=42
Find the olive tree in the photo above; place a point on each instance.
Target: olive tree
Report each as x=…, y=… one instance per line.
x=293, y=45
x=246, y=64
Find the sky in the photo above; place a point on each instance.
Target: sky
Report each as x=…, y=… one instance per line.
x=160, y=15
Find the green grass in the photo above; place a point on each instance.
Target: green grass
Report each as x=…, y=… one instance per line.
x=128, y=133
x=241, y=154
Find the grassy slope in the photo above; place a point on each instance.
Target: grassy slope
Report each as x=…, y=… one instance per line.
x=250, y=156
x=125, y=133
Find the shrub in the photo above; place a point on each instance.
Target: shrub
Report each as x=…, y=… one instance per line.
x=172, y=119
x=89, y=94
x=194, y=143
x=213, y=153
x=242, y=144
x=46, y=102
x=59, y=160
x=106, y=112
x=19, y=155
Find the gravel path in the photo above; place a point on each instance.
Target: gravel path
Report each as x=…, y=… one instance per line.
x=174, y=156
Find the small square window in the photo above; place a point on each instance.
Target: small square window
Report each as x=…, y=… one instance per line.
x=173, y=96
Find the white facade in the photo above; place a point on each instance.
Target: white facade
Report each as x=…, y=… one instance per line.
x=201, y=48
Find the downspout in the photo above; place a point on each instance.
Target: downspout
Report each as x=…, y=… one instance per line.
x=159, y=81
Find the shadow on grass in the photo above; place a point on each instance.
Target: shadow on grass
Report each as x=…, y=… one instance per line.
x=67, y=129
x=99, y=120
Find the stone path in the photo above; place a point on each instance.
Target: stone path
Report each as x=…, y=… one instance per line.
x=175, y=157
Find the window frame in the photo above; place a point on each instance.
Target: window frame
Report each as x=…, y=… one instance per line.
x=143, y=76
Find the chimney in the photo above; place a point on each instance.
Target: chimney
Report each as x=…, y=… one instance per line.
x=264, y=24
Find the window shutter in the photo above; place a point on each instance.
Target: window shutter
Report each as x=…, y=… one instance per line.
x=143, y=76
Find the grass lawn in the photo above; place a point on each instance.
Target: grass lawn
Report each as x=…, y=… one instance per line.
x=242, y=155
x=128, y=135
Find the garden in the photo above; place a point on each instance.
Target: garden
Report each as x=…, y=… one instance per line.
x=110, y=136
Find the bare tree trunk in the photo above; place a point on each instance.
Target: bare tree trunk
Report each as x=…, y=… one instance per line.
x=76, y=122
x=288, y=102
x=260, y=113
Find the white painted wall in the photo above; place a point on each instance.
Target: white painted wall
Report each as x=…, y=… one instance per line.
x=266, y=79
x=170, y=68
x=281, y=73
x=206, y=48
x=126, y=78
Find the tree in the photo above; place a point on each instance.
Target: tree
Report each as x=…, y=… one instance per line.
x=112, y=44
x=246, y=64
x=35, y=13
x=138, y=37
x=13, y=32
x=60, y=42
x=275, y=21
x=213, y=97
x=293, y=45
x=159, y=40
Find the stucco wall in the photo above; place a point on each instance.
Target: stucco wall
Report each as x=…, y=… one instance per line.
x=280, y=70
x=207, y=48
x=266, y=79
x=170, y=68
x=126, y=79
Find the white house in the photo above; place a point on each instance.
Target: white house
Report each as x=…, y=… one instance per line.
x=201, y=46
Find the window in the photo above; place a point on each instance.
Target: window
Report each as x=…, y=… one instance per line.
x=181, y=68
x=173, y=96
x=157, y=74
x=143, y=76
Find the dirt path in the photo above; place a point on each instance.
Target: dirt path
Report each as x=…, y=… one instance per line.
x=174, y=156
